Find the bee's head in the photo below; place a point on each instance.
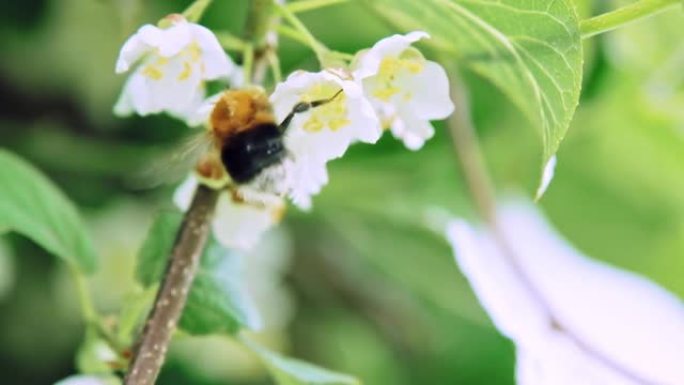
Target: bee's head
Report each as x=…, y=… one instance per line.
x=240, y=110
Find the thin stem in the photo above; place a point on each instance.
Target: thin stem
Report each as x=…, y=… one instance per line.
x=293, y=34
x=274, y=64
x=310, y=5
x=319, y=49
x=151, y=347
x=229, y=41
x=194, y=12
x=469, y=155
x=623, y=16
x=248, y=63
x=86, y=302
x=479, y=183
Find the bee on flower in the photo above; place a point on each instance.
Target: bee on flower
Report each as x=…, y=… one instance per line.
x=261, y=149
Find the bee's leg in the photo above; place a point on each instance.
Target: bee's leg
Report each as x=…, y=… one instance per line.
x=303, y=107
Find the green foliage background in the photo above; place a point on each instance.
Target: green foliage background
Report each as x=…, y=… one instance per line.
x=375, y=293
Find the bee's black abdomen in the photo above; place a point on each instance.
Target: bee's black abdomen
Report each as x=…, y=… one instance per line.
x=248, y=153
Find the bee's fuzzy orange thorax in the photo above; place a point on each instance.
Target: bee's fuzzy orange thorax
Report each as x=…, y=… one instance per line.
x=240, y=110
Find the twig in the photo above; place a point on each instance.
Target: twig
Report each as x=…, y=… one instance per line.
x=481, y=191
x=150, y=349
x=623, y=16
x=470, y=158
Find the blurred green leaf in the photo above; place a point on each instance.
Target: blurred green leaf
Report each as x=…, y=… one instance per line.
x=156, y=249
x=218, y=301
x=289, y=371
x=95, y=356
x=31, y=205
x=530, y=49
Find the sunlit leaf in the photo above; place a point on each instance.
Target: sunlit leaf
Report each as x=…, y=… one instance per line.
x=31, y=205
x=289, y=371
x=218, y=301
x=530, y=49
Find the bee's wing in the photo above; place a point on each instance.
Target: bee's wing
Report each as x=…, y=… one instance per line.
x=173, y=164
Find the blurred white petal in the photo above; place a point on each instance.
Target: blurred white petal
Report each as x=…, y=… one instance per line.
x=613, y=327
x=240, y=225
x=89, y=380
x=239, y=222
x=182, y=197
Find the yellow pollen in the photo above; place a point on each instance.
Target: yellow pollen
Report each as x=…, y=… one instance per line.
x=391, y=67
x=332, y=115
x=187, y=71
x=313, y=125
x=153, y=72
x=336, y=124
x=386, y=93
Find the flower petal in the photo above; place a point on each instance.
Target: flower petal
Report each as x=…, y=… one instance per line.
x=134, y=48
x=368, y=62
x=412, y=131
x=170, y=41
x=336, y=126
x=430, y=98
x=182, y=197
x=240, y=225
x=216, y=63
x=309, y=177
x=629, y=327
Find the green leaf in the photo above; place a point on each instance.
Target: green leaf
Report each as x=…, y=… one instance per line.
x=289, y=371
x=218, y=301
x=31, y=205
x=529, y=49
x=156, y=249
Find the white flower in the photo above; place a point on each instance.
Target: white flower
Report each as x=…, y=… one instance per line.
x=325, y=132
x=237, y=224
x=406, y=90
x=174, y=63
x=574, y=320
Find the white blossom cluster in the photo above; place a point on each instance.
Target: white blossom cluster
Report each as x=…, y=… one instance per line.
x=389, y=86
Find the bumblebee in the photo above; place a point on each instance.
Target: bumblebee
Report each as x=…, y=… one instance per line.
x=246, y=134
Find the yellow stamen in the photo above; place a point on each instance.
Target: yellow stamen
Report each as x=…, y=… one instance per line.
x=153, y=72
x=187, y=71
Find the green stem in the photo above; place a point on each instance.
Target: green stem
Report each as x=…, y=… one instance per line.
x=274, y=64
x=248, y=63
x=229, y=41
x=194, y=12
x=306, y=36
x=625, y=15
x=86, y=302
x=310, y=5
